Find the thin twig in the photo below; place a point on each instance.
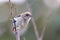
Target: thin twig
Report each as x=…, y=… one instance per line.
x=43, y=31
x=10, y=4
x=45, y=24
x=35, y=28
x=24, y=38
x=18, y=35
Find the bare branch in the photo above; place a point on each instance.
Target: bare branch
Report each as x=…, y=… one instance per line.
x=18, y=35
x=24, y=38
x=43, y=30
x=35, y=28
x=10, y=4
x=45, y=24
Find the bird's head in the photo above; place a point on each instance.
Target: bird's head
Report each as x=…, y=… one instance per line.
x=26, y=16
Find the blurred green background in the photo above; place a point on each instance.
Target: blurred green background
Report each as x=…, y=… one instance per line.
x=39, y=12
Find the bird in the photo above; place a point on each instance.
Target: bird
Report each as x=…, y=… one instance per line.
x=21, y=22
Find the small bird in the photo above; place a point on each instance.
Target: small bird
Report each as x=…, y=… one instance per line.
x=21, y=22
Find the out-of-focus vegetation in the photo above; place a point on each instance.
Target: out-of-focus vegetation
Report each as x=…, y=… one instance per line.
x=39, y=12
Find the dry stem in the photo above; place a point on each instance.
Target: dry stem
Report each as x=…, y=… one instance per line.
x=35, y=28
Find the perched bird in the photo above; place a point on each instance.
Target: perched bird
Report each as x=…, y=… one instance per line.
x=20, y=22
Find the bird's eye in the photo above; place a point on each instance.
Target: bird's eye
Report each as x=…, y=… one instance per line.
x=27, y=14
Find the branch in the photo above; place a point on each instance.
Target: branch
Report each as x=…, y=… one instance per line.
x=43, y=30
x=35, y=28
x=24, y=38
x=10, y=4
x=18, y=35
x=45, y=24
